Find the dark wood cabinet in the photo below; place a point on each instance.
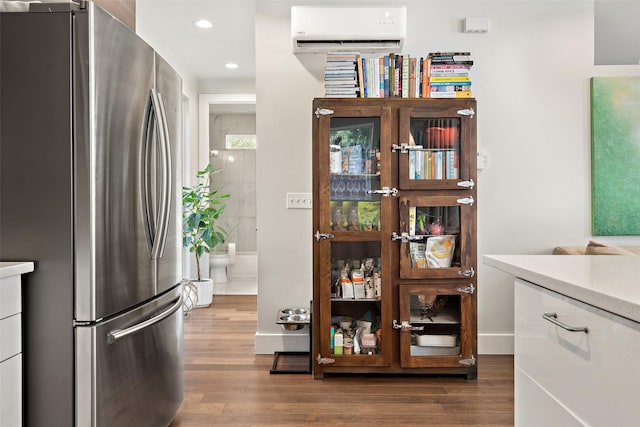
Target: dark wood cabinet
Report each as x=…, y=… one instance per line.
x=394, y=223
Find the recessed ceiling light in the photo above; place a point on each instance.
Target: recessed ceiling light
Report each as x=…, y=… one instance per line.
x=203, y=23
x=231, y=65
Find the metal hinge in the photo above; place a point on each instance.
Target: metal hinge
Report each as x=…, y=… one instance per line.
x=466, y=184
x=467, y=273
x=466, y=201
x=325, y=360
x=404, y=148
x=468, y=290
x=319, y=236
x=467, y=112
x=323, y=112
x=468, y=362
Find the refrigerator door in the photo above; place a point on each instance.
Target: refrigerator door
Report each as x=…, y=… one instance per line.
x=169, y=89
x=129, y=369
x=113, y=78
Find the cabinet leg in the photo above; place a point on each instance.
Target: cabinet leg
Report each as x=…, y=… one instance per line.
x=472, y=373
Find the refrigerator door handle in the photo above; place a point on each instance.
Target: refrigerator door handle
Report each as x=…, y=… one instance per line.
x=165, y=143
x=156, y=163
x=117, y=334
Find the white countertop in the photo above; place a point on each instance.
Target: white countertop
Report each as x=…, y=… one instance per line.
x=609, y=282
x=14, y=268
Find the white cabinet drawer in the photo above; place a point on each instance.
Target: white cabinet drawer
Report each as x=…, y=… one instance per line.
x=10, y=301
x=10, y=342
x=11, y=391
x=594, y=374
x=539, y=408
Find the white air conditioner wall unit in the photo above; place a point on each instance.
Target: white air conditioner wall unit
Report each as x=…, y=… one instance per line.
x=363, y=29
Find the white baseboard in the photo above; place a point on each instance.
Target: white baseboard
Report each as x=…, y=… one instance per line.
x=495, y=343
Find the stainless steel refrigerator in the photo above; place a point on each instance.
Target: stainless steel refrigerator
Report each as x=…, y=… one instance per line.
x=90, y=190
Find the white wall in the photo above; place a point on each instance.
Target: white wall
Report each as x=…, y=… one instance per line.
x=531, y=80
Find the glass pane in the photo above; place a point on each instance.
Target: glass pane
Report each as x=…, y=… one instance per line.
x=354, y=162
x=356, y=291
x=240, y=142
x=439, y=316
x=440, y=228
x=440, y=156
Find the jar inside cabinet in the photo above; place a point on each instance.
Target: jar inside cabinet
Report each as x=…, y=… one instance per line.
x=435, y=325
x=436, y=234
x=435, y=148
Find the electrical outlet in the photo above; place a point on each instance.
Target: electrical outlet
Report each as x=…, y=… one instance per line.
x=298, y=200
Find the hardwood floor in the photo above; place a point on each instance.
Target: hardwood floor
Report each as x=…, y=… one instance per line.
x=226, y=384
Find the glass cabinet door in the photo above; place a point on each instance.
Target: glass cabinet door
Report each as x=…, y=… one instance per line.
x=354, y=168
x=435, y=146
x=352, y=327
x=436, y=234
x=436, y=325
x=352, y=206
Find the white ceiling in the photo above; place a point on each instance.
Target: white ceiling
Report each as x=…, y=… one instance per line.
x=203, y=52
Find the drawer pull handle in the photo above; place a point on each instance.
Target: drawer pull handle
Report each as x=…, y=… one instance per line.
x=553, y=318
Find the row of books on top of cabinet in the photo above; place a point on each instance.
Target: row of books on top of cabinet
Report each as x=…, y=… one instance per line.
x=438, y=75
x=434, y=164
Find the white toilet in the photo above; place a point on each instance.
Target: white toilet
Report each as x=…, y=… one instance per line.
x=218, y=263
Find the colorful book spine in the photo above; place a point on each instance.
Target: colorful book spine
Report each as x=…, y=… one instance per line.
x=412, y=165
x=405, y=75
x=436, y=79
x=455, y=94
x=386, y=76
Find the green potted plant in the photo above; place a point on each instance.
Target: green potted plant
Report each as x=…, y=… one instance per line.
x=201, y=208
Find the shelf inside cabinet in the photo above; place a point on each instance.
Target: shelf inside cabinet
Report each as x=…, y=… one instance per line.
x=445, y=316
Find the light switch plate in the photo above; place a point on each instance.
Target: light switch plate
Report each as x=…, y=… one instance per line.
x=299, y=201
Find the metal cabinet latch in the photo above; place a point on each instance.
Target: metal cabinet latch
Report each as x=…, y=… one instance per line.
x=385, y=191
x=405, y=148
x=319, y=236
x=405, y=237
x=406, y=326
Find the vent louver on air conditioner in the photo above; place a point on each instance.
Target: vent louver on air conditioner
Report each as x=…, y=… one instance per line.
x=365, y=29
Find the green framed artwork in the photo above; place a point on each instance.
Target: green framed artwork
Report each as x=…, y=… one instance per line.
x=615, y=156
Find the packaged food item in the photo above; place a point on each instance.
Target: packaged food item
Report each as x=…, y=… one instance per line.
x=439, y=251
x=346, y=288
x=418, y=259
x=335, y=161
x=358, y=284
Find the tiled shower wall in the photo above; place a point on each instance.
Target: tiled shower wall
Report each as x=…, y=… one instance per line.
x=238, y=178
